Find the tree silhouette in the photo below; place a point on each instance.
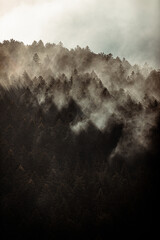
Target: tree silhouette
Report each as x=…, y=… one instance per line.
x=36, y=58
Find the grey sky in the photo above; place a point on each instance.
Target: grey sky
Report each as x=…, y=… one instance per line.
x=127, y=28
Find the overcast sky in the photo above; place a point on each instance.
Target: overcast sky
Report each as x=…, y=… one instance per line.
x=126, y=28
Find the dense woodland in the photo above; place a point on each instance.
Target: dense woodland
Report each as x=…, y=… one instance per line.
x=79, y=143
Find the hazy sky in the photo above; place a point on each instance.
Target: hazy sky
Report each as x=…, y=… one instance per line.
x=127, y=28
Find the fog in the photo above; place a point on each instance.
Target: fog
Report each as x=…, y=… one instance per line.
x=79, y=130
x=125, y=28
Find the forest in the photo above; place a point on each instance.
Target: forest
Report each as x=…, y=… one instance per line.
x=79, y=143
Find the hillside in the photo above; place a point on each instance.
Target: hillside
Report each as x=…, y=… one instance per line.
x=79, y=142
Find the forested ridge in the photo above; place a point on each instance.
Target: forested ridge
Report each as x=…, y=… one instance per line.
x=79, y=143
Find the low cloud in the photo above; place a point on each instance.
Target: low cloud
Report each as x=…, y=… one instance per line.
x=127, y=29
